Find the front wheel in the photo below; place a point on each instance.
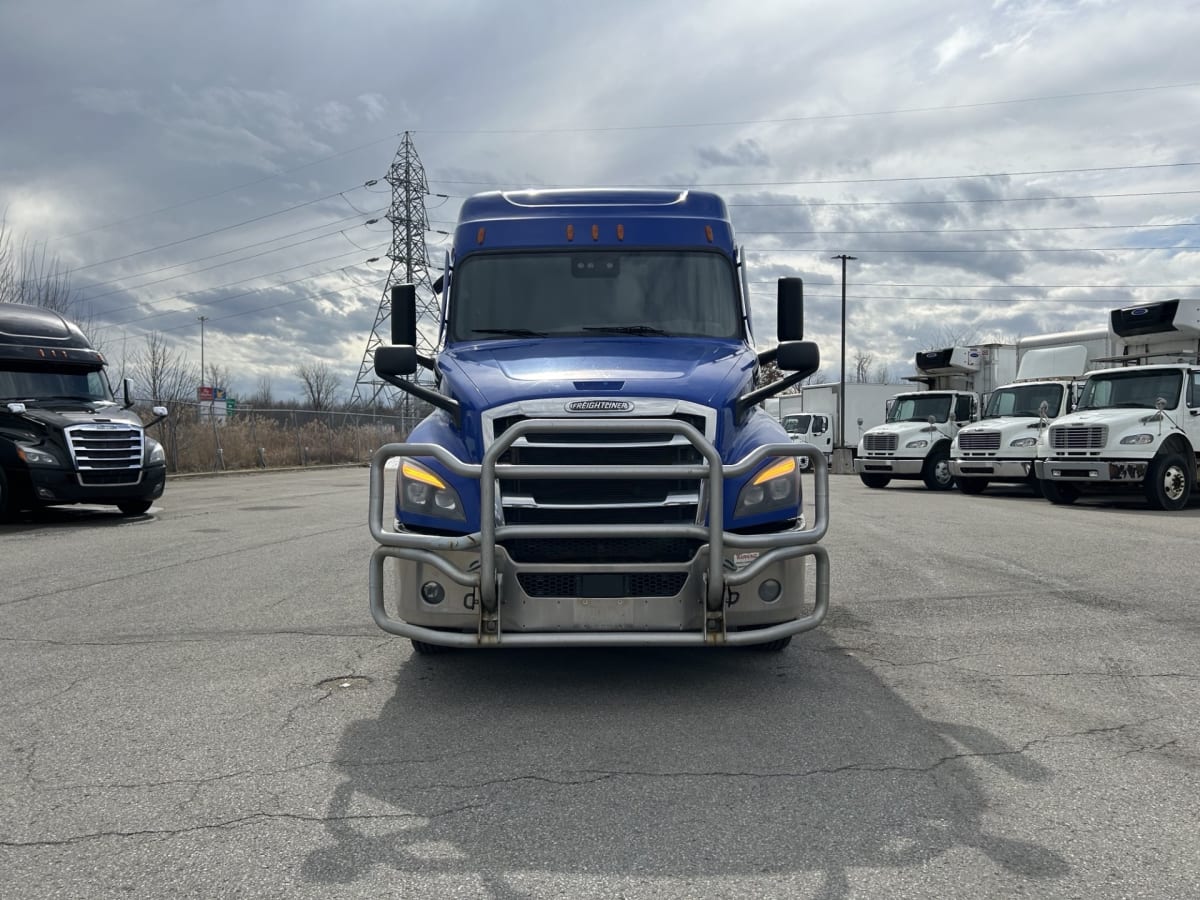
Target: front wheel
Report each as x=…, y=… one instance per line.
x=937, y=475
x=872, y=480
x=133, y=507
x=1168, y=483
x=1059, y=493
x=972, y=485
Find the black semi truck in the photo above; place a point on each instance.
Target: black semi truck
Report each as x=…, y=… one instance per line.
x=64, y=438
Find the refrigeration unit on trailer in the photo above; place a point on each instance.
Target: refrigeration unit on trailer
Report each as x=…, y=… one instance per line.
x=1137, y=424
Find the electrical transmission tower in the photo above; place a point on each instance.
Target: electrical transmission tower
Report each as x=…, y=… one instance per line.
x=410, y=265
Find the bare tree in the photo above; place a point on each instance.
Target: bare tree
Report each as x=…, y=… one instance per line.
x=164, y=374
x=321, y=384
x=31, y=275
x=262, y=397
x=951, y=336
x=863, y=360
x=882, y=374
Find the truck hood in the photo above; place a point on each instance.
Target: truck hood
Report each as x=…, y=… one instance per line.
x=1122, y=422
x=488, y=374
x=1003, y=424
x=908, y=430
x=65, y=416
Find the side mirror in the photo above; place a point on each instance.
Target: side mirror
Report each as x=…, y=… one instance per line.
x=127, y=393
x=439, y=284
x=160, y=413
x=395, y=361
x=790, y=311
x=799, y=356
x=404, y=315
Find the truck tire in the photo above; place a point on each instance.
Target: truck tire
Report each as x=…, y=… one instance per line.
x=1058, y=493
x=6, y=505
x=134, y=507
x=936, y=474
x=803, y=463
x=872, y=480
x=972, y=485
x=1168, y=483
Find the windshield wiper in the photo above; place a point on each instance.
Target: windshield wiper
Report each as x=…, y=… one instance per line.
x=625, y=329
x=509, y=332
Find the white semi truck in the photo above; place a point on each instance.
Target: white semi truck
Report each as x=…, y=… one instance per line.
x=1137, y=424
x=914, y=442
x=1002, y=445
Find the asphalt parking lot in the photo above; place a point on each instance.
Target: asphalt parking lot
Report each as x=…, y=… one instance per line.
x=1001, y=703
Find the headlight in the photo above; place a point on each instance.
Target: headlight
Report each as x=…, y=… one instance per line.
x=1023, y=442
x=1138, y=439
x=775, y=487
x=424, y=493
x=154, y=452
x=912, y=445
x=35, y=457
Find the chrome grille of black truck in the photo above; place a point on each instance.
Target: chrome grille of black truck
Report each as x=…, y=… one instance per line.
x=106, y=453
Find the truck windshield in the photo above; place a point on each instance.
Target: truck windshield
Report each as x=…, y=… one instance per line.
x=919, y=407
x=1108, y=390
x=554, y=294
x=796, y=424
x=43, y=384
x=1024, y=400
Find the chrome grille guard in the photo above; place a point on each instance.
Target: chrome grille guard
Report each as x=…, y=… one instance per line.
x=774, y=548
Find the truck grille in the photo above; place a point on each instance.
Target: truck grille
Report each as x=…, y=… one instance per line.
x=979, y=440
x=106, y=453
x=1078, y=437
x=879, y=443
x=537, y=501
x=599, y=584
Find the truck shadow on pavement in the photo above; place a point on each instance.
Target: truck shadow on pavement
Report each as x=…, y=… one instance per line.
x=547, y=773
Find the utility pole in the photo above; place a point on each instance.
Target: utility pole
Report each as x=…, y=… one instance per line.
x=410, y=265
x=202, y=320
x=841, y=441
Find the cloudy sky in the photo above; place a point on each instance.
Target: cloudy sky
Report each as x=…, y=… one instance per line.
x=998, y=169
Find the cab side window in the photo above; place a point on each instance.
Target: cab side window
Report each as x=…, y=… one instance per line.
x=1193, y=392
x=963, y=409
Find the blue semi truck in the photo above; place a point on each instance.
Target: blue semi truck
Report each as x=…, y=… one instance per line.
x=597, y=469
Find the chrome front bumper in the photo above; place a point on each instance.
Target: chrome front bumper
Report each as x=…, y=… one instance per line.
x=725, y=586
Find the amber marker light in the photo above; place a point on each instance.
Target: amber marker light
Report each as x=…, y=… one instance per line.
x=785, y=466
x=416, y=473
x=620, y=232
x=595, y=232
x=570, y=232
x=708, y=232
x=479, y=236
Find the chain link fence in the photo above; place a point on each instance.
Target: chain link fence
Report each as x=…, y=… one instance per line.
x=207, y=437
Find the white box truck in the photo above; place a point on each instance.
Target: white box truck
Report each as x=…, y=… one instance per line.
x=914, y=441
x=1002, y=445
x=1137, y=424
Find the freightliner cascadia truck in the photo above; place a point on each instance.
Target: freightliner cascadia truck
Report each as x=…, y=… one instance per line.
x=63, y=437
x=1137, y=424
x=598, y=469
x=914, y=442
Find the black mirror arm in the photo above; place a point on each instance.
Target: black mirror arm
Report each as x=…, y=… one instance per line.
x=769, y=390
x=433, y=398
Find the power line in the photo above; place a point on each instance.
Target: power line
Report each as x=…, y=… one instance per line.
x=988, y=230
x=880, y=180
x=767, y=250
x=207, y=233
x=223, y=191
x=813, y=118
